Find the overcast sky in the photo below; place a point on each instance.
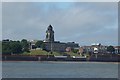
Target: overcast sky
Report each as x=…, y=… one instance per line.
x=81, y=22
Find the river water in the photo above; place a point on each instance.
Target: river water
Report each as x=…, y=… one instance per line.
x=36, y=69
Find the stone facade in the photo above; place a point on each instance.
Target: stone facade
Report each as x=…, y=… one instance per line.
x=49, y=34
x=55, y=46
x=51, y=45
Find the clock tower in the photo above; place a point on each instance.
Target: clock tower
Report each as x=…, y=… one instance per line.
x=49, y=34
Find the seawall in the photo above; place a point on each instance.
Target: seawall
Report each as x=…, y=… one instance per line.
x=52, y=58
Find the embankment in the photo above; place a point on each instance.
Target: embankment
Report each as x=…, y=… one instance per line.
x=52, y=58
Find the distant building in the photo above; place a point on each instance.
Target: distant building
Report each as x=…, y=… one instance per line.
x=117, y=49
x=86, y=49
x=94, y=48
x=68, y=49
x=32, y=44
x=52, y=45
x=49, y=34
x=98, y=48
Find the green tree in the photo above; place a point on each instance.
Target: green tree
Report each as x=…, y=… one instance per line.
x=39, y=44
x=25, y=45
x=110, y=49
x=6, y=48
x=75, y=50
x=43, y=46
x=15, y=47
x=11, y=47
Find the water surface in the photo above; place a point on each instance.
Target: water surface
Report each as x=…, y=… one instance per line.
x=36, y=69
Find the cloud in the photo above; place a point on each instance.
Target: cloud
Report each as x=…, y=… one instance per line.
x=82, y=22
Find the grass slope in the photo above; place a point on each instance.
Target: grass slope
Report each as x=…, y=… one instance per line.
x=42, y=52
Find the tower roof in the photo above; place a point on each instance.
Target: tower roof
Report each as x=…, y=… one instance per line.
x=50, y=27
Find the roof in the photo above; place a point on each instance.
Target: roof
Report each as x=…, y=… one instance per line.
x=50, y=27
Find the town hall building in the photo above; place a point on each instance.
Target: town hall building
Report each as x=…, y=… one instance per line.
x=52, y=45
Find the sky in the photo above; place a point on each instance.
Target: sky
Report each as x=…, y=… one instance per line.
x=81, y=22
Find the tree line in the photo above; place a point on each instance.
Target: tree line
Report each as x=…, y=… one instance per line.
x=18, y=47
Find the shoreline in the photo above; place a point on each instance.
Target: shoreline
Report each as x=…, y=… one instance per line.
x=60, y=59
x=65, y=61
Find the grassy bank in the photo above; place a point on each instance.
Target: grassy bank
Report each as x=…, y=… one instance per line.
x=42, y=52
